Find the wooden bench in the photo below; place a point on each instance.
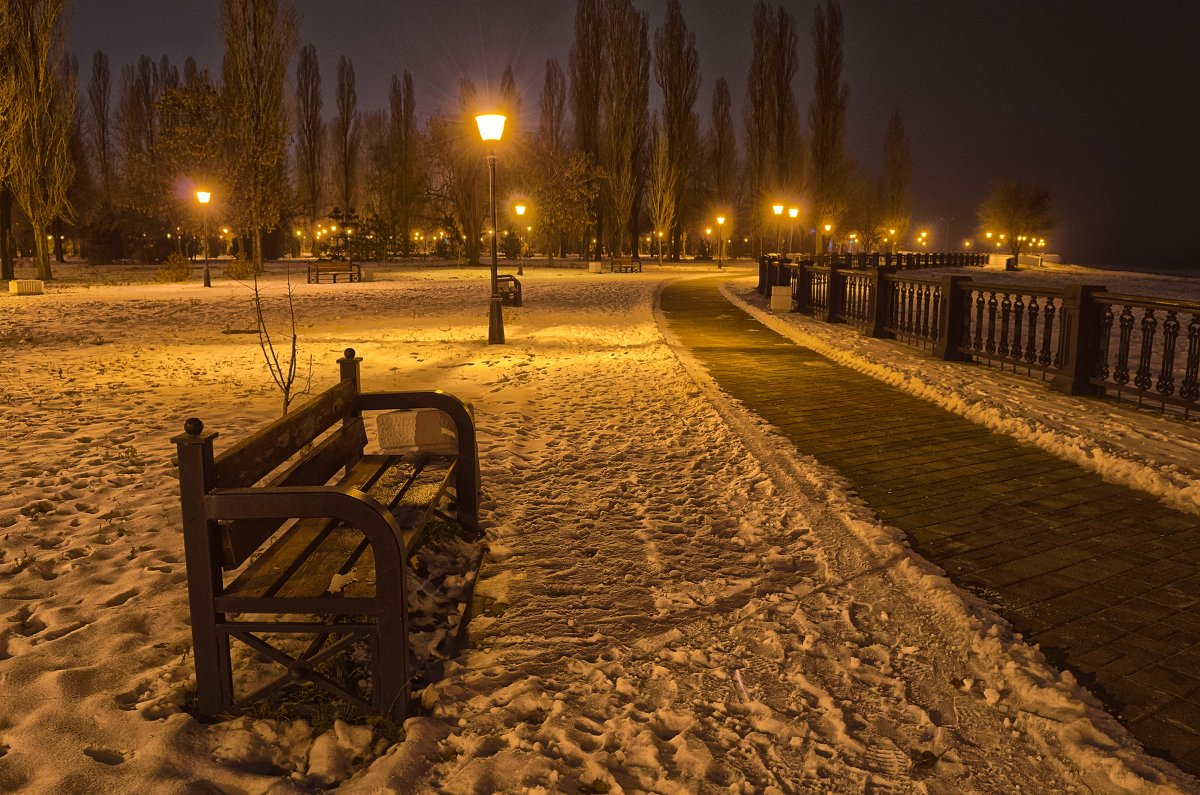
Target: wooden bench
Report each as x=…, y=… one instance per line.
x=626, y=265
x=510, y=290
x=295, y=536
x=330, y=271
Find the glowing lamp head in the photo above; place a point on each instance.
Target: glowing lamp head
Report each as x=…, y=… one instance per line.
x=777, y=209
x=203, y=196
x=793, y=212
x=720, y=220
x=520, y=208
x=708, y=231
x=491, y=126
x=828, y=227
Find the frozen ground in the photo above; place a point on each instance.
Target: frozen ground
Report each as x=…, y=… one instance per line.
x=675, y=602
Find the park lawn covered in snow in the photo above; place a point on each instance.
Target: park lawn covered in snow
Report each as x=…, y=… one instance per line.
x=673, y=599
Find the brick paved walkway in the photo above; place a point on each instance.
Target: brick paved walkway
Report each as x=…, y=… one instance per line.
x=1105, y=578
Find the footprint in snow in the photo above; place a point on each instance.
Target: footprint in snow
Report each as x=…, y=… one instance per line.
x=106, y=756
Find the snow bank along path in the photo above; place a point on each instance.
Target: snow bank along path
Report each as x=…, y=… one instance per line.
x=674, y=600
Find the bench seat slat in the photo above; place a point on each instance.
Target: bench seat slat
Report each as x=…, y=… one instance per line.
x=411, y=493
x=269, y=570
x=299, y=564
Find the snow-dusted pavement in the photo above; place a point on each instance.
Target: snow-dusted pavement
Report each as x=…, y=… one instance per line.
x=673, y=601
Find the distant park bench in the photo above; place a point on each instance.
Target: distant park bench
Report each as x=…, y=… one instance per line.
x=330, y=271
x=316, y=538
x=626, y=265
x=510, y=290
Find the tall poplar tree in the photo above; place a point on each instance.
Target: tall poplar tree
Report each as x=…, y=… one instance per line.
x=260, y=36
x=677, y=72
x=552, y=108
x=42, y=165
x=347, y=136
x=897, y=177
x=828, y=166
x=759, y=116
x=310, y=139
x=586, y=66
x=722, y=149
x=624, y=100
x=407, y=149
x=99, y=124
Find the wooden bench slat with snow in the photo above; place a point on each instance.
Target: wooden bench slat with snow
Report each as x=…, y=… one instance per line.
x=290, y=534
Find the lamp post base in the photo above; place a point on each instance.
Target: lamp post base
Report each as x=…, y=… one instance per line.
x=495, y=322
x=207, y=277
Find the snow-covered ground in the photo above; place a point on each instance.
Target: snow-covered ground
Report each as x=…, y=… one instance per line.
x=674, y=600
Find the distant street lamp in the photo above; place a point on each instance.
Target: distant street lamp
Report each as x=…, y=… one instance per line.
x=491, y=128
x=828, y=229
x=720, y=241
x=203, y=197
x=793, y=213
x=520, y=208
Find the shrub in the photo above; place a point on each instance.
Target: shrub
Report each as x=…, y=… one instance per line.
x=240, y=269
x=176, y=268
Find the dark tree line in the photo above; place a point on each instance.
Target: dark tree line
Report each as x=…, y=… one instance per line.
x=115, y=171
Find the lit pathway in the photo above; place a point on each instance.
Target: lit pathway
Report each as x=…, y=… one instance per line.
x=1105, y=578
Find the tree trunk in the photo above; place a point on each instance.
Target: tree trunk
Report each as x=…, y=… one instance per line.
x=56, y=227
x=43, y=255
x=257, y=251
x=7, y=269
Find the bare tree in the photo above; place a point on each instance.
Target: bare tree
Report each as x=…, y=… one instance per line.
x=1017, y=211
x=787, y=156
x=346, y=137
x=660, y=184
x=310, y=139
x=259, y=39
x=456, y=154
x=100, y=124
x=42, y=163
x=11, y=120
x=827, y=118
x=866, y=211
x=586, y=67
x=282, y=366
x=624, y=100
x=897, y=177
x=677, y=72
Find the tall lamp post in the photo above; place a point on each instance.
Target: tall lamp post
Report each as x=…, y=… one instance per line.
x=520, y=208
x=778, y=210
x=204, y=197
x=491, y=127
x=793, y=212
x=720, y=241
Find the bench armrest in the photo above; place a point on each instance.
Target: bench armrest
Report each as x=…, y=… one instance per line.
x=467, y=479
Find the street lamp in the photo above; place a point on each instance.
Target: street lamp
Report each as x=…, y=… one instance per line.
x=720, y=241
x=778, y=210
x=491, y=127
x=793, y=213
x=203, y=197
x=828, y=229
x=520, y=208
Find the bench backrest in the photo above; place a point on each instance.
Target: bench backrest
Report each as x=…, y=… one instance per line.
x=260, y=455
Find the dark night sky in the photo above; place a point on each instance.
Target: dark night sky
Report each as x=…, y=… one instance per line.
x=1095, y=99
